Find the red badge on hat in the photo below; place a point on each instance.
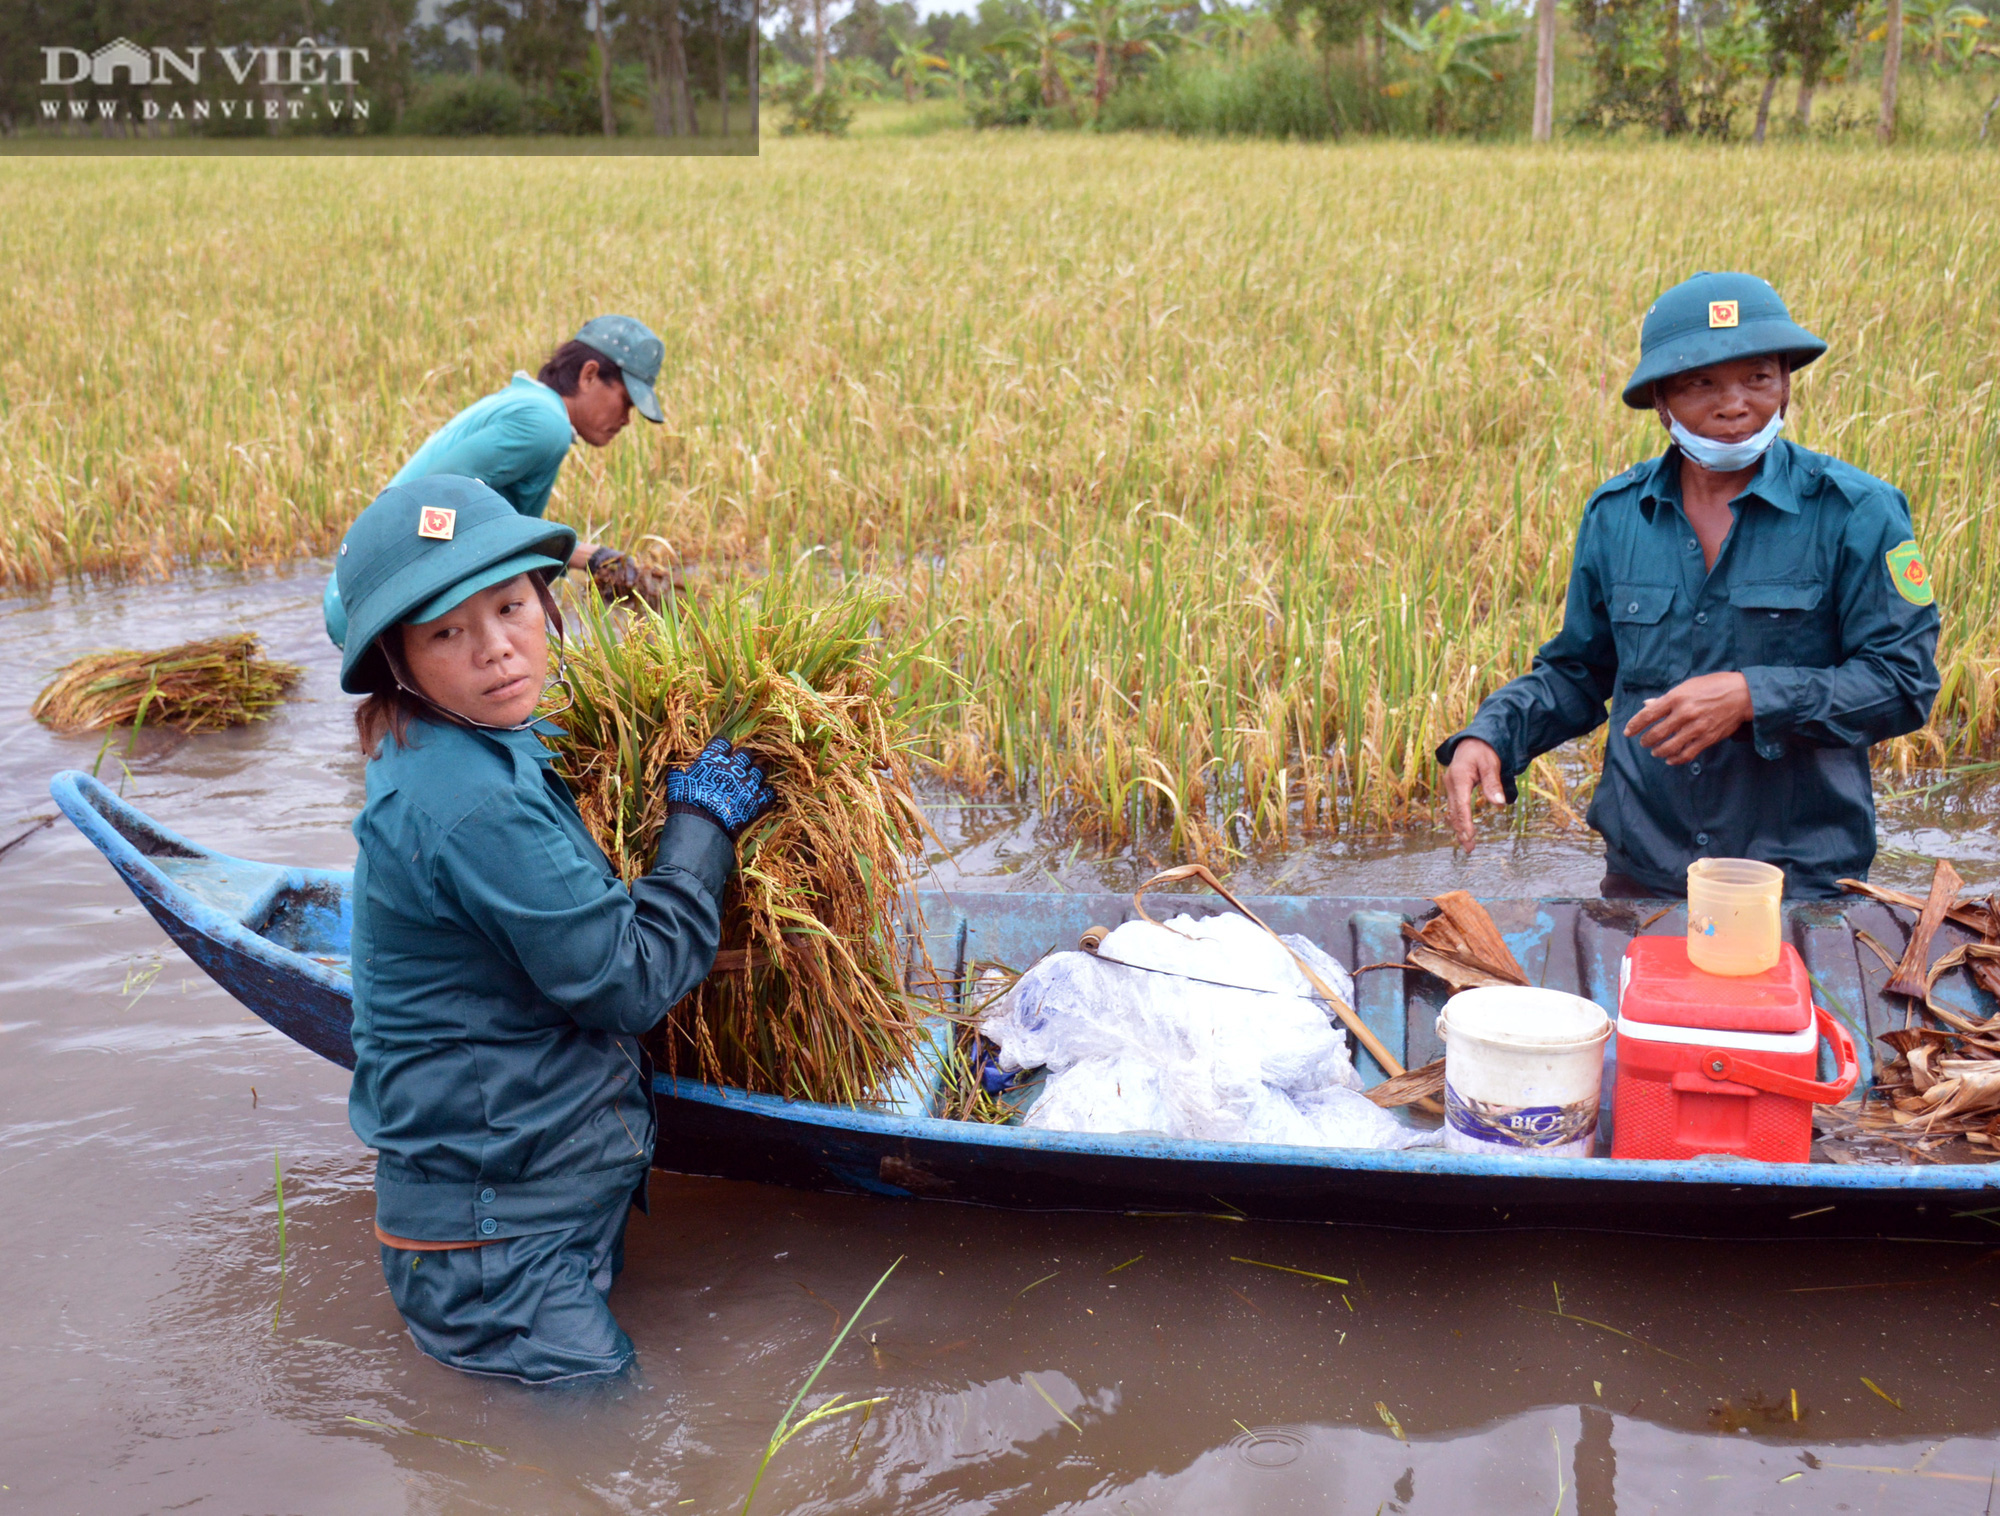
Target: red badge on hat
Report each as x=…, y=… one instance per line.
x=1722, y=313
x=437, y=522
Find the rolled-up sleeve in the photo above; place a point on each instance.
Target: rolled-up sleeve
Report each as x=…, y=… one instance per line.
x=1565, y=693
x=614, y=959
x=1887, y=675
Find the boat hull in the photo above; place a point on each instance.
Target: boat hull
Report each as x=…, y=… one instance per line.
x=730, y=1135
x=276, y=938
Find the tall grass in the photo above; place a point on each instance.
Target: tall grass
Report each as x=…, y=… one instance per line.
x=1227, y=477
x=1278, y=91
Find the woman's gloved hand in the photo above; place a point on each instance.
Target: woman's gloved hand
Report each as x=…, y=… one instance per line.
x=723, y=785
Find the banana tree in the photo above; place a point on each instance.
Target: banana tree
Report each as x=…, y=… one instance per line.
x=1115, y=31
x=1730, y=49
x=1944, y=33
x=1228, y=28
x=1040, y=46
x=1447, y=50
x=858, y=78
x=963, y=72
x=914, y=65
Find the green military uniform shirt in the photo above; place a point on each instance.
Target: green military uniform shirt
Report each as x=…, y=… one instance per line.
x=502, y=976
x=1818, y=597
x=513, y=442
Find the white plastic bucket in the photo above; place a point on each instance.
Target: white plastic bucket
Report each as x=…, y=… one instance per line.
x=1522, y=1071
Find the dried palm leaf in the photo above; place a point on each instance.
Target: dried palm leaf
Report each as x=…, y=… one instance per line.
x=1409, y=1087
x=1973, y=915
x=1909, y=976
x=1462, y=946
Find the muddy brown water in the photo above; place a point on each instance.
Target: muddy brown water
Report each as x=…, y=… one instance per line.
x=154, y=1356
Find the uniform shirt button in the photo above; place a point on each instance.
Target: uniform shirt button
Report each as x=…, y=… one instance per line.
x=486, y=1195
x=489, y=1226
x=1693, y=546
x=1695, y=769
x=1701, y=618
x=1632, y=609
x=1701, y=840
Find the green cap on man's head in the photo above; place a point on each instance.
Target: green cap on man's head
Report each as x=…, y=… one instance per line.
x=424, y=547
x=629, y=343
x=1713, y=318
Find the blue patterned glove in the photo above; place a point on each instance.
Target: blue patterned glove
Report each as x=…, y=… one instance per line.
x=723, y=785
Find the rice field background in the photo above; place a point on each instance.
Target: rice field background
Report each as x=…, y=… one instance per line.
x=1224, y=478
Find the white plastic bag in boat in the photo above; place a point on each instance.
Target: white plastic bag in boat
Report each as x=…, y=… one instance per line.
x=1202, y=1029
x=1116, y=1094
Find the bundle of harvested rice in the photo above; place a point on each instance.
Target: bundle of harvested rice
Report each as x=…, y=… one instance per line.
x=808, y=999
x=196, y=687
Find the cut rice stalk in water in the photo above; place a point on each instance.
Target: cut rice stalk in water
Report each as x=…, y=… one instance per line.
x=195, y=687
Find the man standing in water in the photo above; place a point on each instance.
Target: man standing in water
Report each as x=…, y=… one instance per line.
x=514, y=441
x=1756, y=615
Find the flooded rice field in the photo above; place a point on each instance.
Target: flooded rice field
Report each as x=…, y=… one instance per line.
x=161, y=1348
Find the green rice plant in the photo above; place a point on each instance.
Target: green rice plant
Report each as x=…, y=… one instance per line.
x=786, y=1428
x=196, y=687
x=1219, y=478
x=960, y=1095
x=808, y=1000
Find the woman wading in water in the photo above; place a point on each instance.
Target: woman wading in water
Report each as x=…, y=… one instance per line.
x=503, y=972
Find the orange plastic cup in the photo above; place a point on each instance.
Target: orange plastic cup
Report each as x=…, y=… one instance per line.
x=1733, y=915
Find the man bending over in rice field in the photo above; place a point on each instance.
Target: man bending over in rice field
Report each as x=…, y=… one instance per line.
x=514, y=440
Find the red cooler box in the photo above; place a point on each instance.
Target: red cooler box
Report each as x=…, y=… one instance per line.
x=1710, y=1064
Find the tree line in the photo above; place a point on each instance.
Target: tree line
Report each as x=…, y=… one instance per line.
x=1699, y=67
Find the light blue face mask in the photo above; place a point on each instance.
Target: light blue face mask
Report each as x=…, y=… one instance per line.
x=1726, y=457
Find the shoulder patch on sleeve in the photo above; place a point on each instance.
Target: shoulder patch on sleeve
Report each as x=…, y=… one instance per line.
x=1612, y=485
x=1909, y=573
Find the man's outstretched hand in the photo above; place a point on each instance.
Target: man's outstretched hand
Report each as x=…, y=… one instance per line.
x=1690, y=718
x=1474, y=766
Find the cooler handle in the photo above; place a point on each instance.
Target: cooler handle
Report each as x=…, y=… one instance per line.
x=1721, y=1064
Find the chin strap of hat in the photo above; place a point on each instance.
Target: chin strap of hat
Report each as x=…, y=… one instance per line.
x=392, y=653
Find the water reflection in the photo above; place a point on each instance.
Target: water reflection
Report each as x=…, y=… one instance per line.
x=1030, y=1363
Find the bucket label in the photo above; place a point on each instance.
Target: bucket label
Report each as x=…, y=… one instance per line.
x=1532, y=1126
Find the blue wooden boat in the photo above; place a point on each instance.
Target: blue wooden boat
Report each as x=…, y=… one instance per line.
x=276, y=938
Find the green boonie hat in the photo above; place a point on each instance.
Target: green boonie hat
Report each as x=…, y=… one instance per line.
x=422, y=548
x=1712, y=318
x=629, y=343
